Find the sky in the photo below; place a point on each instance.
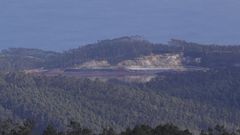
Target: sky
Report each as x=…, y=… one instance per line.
x=62, y=24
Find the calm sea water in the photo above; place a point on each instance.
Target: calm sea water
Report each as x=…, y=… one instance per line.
x=62, y=24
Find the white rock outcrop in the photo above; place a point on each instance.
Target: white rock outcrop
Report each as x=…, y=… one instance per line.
x=155, y=61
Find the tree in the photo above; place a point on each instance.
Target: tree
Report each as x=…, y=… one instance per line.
x=109, y=131
x=50, y=130
x=76, y=129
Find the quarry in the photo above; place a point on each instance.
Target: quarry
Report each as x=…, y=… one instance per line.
x=140, y=69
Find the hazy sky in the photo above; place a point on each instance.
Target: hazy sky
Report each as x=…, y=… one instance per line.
x=62, y=24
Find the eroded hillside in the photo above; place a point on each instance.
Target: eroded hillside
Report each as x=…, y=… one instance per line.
x=151, y=61
x=155, y=61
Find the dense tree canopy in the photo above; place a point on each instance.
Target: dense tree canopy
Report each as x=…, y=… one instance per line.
x=74, y=128
x=192, y=100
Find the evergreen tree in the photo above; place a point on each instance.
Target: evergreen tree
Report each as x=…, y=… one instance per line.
x=50, y=130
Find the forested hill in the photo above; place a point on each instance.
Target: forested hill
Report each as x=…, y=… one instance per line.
x=22, y=58
x=193, y=100
x=117, y=50
x=125, y=48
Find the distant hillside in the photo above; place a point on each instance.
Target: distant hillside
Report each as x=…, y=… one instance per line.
x=115, y=51
x=21, y=58
x=128, y=48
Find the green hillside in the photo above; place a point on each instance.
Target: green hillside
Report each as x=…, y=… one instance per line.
x=118, y=50
x=191, y=101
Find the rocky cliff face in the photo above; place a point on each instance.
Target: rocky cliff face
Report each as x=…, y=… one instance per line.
x=168, y=60
x=155, y=61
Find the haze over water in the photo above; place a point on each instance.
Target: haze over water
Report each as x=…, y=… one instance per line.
x=62, y=24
